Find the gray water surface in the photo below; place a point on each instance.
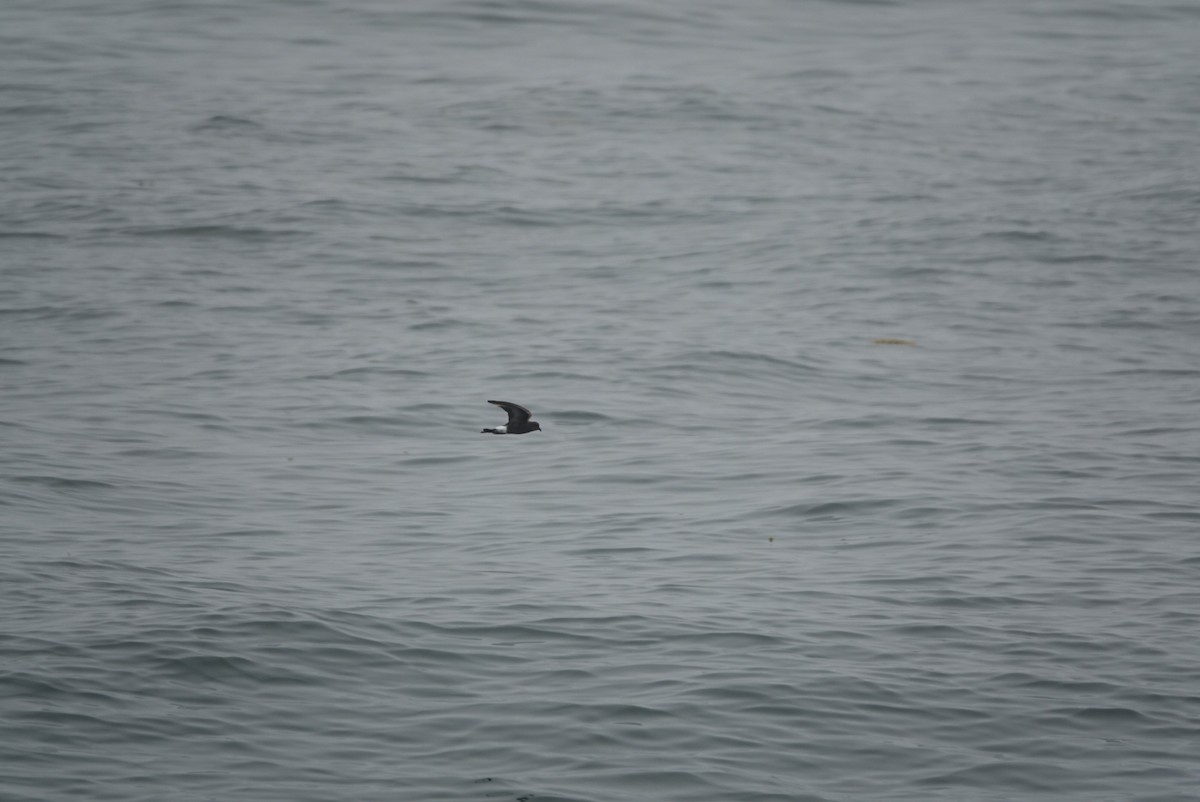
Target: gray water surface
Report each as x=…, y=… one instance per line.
x=864, y=335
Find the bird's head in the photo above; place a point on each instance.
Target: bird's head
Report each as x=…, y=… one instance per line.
x=537, y=427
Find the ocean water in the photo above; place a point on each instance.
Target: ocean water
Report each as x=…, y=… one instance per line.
x=865, y=338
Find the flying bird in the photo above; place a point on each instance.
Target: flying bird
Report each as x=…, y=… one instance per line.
x=518, y=420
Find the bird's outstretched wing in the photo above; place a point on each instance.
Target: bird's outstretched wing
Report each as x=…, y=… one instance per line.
x=516, y=412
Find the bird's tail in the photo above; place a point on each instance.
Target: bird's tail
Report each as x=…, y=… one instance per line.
x=488, y=431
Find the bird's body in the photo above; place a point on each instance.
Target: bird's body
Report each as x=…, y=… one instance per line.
x=518, y=420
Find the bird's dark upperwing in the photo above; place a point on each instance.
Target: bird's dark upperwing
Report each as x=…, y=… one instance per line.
x=516, y=412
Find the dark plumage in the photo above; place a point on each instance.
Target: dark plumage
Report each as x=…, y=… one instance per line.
x=518, y=420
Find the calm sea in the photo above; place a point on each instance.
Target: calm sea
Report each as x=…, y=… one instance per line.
x=864, y=336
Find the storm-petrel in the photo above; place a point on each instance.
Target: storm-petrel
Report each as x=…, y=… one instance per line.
x=518, y=420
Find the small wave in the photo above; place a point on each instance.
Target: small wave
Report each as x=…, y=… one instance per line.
x=1175, y=516
x=226, y=123
x=1118, y=715
x=1023, y=776
x=442, y=324
x=832, y=509
x=228, y=669
x=1018, y=235
x=219, y=231
x=64, y=483
x=174, y=453
x=29, y=235
x=368, y=371
x=612, y=551
x=422, y=461
x=562, y=375
x=730, y=640
x=205, y=417
x=580, y=416
x=32, y=110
